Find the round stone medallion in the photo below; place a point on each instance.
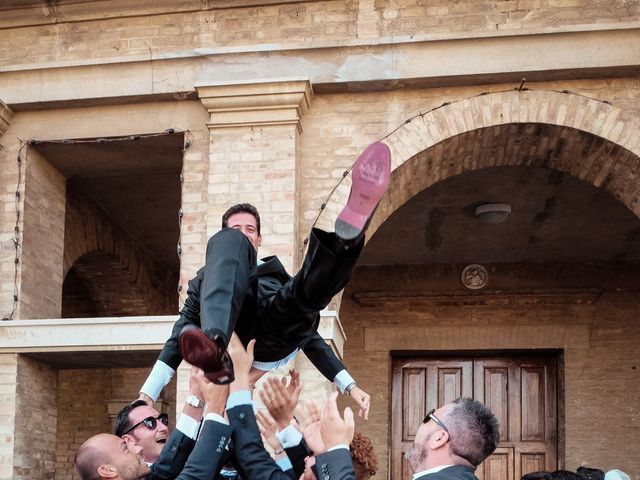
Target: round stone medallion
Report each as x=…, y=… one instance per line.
x=474, y=276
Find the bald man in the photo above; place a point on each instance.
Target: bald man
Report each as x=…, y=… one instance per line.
x=106, y=456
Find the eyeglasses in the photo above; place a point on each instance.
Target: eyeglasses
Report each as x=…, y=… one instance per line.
x=150, y=422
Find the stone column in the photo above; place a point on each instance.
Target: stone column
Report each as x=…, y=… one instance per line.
x=255, y=128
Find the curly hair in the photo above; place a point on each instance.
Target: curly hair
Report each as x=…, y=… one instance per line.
x=365, y=460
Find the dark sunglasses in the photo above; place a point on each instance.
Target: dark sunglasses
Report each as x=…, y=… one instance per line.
x=431, y=416
x=151, y=422
x=437, y=421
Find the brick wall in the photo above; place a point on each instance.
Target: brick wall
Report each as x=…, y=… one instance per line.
x=8, y=380
x=35, y=421
x=598, y=340
x=9, y=174
x=44, y=210
x=62, y=37
x=257, y=165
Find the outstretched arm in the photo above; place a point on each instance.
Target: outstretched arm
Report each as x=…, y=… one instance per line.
x=327, y=363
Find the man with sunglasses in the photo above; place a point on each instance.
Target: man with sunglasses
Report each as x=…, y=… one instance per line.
x=106, y=456
x=142, y=426
x=453, y=440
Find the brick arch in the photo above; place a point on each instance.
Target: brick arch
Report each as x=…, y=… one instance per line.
x=586, y=138
x=90, y=232
x=100, y=285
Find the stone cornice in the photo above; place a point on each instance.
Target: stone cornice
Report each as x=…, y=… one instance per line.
x=5, y=116
x=259, y=102
x=374, y=67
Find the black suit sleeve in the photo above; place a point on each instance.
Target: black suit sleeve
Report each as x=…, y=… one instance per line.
x=253, y=460
x=173, y=458
x=296, y=456
x=334, y=465
x=322, y=356
x=190, y=314
x=210, y=448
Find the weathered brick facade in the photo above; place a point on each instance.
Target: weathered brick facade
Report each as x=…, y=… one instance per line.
x=278, y=98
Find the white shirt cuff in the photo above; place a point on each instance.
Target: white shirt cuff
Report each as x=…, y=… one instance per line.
x=284, y=463
x=214, y=417
x=343, y=380
x=289, y=437
x=346, y=447
x=188, y=425
x=241, y=397
x=160, y=375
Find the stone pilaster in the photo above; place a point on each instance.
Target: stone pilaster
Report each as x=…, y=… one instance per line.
x=5, y=116
x=253, y=157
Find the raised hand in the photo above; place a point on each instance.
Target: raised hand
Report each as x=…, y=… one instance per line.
x=311, y=432
x=334, y=429
x=268, y=428
x=242, y=359
x=281, y=400
x=363, y=399
x=214, y=395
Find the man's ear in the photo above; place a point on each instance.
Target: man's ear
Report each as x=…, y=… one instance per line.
x=107, y=471
x=130, y=441
x=259, y=240
x=438, y=439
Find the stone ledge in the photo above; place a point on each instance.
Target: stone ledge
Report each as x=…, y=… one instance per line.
x=108, y=334
x=474, y=337
x=486, y=297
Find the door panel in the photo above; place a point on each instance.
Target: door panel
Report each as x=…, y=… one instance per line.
x=418, y=386
x=520, y=391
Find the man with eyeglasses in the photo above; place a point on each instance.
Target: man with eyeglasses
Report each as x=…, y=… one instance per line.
x=453, y=440
x=142, y=426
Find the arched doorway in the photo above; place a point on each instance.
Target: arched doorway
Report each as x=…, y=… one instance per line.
x=562, y=269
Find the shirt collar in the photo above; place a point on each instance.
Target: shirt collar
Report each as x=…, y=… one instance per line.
x=430, y=470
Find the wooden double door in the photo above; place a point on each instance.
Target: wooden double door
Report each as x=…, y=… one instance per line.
x=520, y=391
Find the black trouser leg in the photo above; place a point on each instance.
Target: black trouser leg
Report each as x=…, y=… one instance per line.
x=326, y=270
x=229, y=284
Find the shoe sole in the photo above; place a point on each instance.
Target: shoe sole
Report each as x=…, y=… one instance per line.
x=199, y=350
x=370, y=179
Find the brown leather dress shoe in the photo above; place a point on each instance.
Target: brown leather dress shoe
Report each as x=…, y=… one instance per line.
x=206, y=353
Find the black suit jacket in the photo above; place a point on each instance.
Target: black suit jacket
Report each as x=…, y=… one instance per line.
x=209, y=449
x=253, y=461
x=334, y=465
x=173, y=458
x=288, y=307
x=455, y=472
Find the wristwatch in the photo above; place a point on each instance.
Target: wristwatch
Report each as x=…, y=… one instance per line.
x=349, y=387
x=195, y=401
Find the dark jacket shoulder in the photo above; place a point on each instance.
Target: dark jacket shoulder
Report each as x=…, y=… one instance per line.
x=454, y=472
